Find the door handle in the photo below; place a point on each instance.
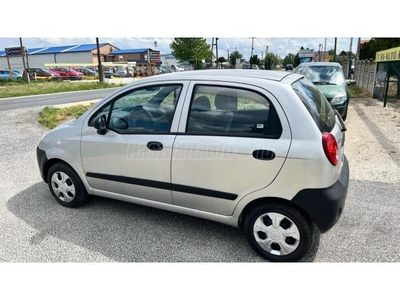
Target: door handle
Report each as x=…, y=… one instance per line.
x=155, y=146
x=263, y=154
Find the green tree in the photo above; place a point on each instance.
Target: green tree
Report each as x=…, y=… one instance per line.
x=368, y=50
x=270, y=61
x=234, y=55
x=192, y=50
x=254, y=60
x=289, y=59
x=221, y=59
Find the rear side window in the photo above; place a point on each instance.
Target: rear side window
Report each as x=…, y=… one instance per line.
x=219, y=110
x=316, y=104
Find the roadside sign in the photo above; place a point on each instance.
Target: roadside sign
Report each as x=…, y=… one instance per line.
x=15, y=51
x=391, y=54
x=155, y=57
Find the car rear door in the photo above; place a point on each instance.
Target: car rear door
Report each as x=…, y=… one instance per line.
x=232, y=141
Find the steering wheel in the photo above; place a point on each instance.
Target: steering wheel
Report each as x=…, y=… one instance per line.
x=141, y=117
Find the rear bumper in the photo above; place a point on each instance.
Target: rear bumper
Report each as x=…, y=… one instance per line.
x=325, y=206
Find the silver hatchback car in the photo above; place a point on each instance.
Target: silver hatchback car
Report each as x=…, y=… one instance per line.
x=259, y=150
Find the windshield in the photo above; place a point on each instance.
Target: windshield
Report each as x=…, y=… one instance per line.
x=323, y=75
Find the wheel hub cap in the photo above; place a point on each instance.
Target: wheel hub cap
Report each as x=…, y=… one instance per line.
x=276, y=233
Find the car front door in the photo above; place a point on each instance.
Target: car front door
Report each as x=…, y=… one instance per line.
x=232, y=143
x=133, y=157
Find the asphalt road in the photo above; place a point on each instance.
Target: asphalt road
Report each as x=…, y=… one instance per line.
x=34, y=228
x=51, y=99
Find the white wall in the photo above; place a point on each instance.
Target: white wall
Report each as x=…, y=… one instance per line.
x=168, y=61
x=38, y=60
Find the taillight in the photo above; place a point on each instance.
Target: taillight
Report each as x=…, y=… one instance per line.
x=330, y=147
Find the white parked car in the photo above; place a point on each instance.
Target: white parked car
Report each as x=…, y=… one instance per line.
x=259, y=150
x=176, y=68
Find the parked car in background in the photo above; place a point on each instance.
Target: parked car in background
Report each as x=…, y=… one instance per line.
x=87, y=73
x=289, y=67
x=165, y=69
x=18, y=73
x=259, y=150
x=67, y=73
x=329, y=78
x=121, y=72
x=5, y=74
x=109, y=72
x=43, y=73
x=176, y=68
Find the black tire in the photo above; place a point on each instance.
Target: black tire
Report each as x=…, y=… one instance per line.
x=278, y=247
x=66, y=186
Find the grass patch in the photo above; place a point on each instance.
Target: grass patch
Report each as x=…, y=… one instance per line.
x=51, y=117
x=357, y=92
x=22, y=88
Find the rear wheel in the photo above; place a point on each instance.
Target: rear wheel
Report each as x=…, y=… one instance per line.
x=278, y=232
x=66, y=186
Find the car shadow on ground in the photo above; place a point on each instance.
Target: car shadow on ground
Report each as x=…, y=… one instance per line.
x=127, y=232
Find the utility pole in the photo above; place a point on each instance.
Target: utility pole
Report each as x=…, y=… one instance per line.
x=216, y=50
x=23, y=60
x=351, y=46
x=252, y=48
x=320, y=49
x=266, y=57
x=212, y=47
x=334, y=51
x=99, y=65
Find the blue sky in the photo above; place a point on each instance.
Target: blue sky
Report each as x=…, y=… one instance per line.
x=280, y=46
x=283, y=27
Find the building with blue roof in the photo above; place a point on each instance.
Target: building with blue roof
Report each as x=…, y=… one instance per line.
x=146, y=59
x=38, y=57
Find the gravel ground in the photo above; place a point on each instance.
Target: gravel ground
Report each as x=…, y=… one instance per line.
x=34, y=228
x=373, y=140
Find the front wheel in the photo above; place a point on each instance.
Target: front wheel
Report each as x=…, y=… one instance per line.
x=278, y=232
x=66, y=186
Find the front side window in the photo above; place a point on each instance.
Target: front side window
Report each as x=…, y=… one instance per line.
x=144, y=110
x=219, y=110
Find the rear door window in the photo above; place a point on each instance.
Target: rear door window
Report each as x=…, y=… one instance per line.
x=221, y=110
x=316, y=104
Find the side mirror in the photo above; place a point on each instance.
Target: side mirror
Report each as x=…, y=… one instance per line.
x=100, y=123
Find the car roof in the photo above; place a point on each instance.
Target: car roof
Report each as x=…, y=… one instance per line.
x=229, y=74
